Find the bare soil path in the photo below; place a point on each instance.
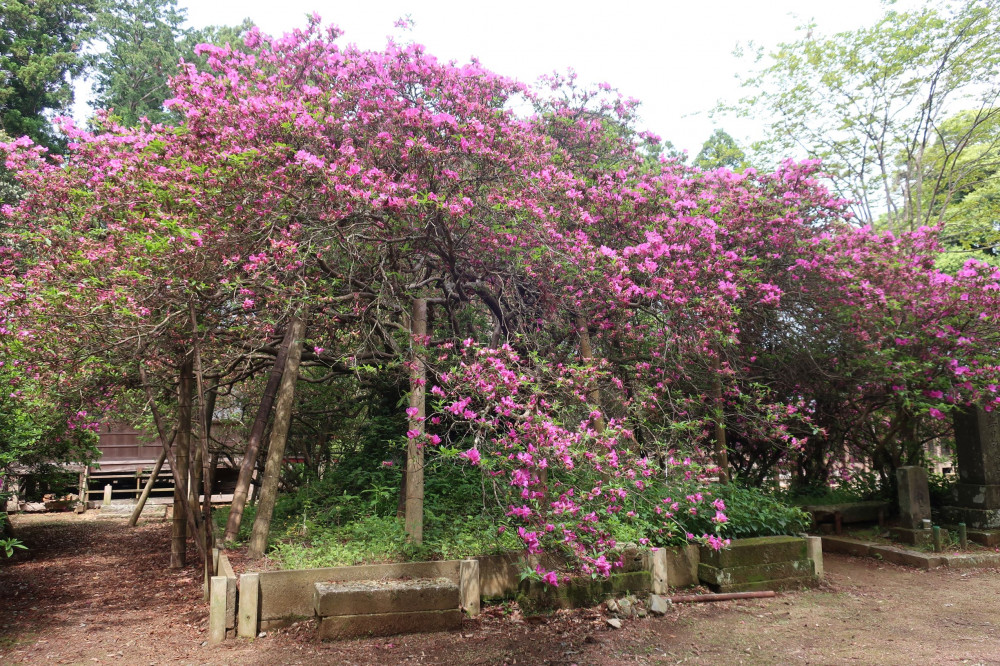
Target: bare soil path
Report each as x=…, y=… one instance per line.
x=95, y=591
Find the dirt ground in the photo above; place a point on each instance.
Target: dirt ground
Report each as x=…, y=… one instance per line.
x=91, y=590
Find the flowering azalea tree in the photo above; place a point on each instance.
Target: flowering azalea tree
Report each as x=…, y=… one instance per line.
x=602, y=333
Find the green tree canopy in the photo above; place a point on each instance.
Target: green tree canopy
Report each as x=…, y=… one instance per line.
x=143, y=42
x=721, y=150
x=40, y=43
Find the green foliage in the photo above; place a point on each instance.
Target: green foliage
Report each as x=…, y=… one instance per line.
x=721, y=150
x=940, y=487
x=376, y=539
x=751, y=512
x=8, y=546
x=40, y=42
x=874, y=104
x=34, y=431
x=861, y=487
x=144, y=40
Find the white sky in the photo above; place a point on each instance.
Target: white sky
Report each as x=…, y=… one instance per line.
x=675, y=56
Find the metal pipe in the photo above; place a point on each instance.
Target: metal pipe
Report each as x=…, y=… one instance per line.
x=725, y=596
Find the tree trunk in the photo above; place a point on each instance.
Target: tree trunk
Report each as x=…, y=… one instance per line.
x=721, y=453
x=414, y=520
x=587, y=355
x=249, y=462
x=279, y=435
x=184, y=508
x=206, y=409
x=178, y=540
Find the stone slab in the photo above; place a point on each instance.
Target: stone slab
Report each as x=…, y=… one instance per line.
x=339, y=627
x=850, y=512
x=908, y=558
x=919, y=537
x=846, y=545
x=776, y=585
x=972, y=561
x=759, y=550
x=716, y=576
x=369, y=597
x=988, y=538
x=975, y=519
x=500, y=575
x=534, y=596
x=682, y=566
x=289, y=594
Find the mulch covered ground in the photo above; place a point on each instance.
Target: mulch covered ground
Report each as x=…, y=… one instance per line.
x=93, y=590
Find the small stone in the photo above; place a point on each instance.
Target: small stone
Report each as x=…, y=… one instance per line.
x=626, y=608
x=262, y=634
x=658, y=605
x=614, y=623
x=613, y=606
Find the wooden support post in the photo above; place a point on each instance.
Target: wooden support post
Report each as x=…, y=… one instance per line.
x=141, y=502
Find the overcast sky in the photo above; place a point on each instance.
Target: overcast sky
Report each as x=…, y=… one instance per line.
x=675, y=56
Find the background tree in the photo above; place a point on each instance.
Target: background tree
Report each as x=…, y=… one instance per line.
x=873, y=104
x=143, y=41
x=721, y=150
x=40, y=51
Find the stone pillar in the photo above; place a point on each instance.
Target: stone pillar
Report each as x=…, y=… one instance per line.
x=976, y=496
x=914, y=506
x=107, y=496
x=914, y=497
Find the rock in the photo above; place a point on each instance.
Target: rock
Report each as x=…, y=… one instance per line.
x=658, y=605
x=614, y=623
x=626, y=608
x=613, y=606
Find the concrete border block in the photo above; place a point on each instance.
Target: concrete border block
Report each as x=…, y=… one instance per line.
x=847, y=546
x=249, y=611
x=286, y=595
x=217, y=610
x=814, y=548
x=658, y=571
x=468, y=587
x=338, y=627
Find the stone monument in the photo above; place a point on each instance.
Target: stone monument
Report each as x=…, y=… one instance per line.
x=976, y=496
x=914, y=506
